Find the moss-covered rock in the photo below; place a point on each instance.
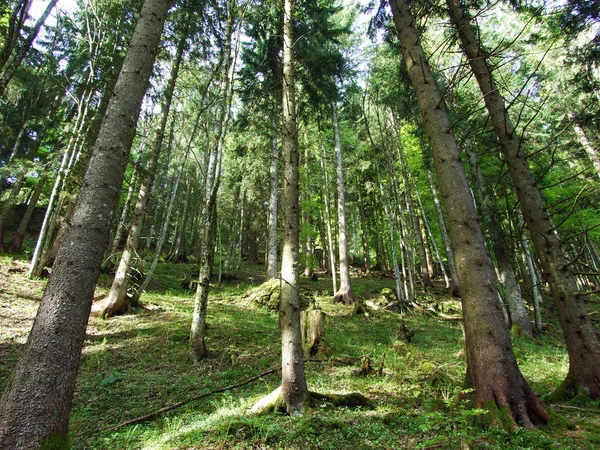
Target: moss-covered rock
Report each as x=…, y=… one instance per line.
x=267, y=295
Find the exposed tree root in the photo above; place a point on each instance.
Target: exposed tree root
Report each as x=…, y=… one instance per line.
x=344, y=296
x=273, y=403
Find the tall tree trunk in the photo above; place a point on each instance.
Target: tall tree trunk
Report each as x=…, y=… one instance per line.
x=17, y=240
x=492, y=368
x=293, y=380
x=512, y=293
x=35, y=406
x=272, y=269
x=211, y=188
x=344, y=294
x=400, y=281
x=326, y=197
x=117, y=301
x=15, y=24
x=425, y=278
x=586, y=144
x=9, y=204
x=581, y=336
x=363, y=227
x=454, y=285
x=430, y=234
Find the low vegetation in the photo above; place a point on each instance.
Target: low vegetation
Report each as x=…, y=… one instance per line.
x=137, y=363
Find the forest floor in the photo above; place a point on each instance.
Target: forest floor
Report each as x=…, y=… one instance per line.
x=137, y=363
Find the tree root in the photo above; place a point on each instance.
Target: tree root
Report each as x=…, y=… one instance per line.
x=273, y=402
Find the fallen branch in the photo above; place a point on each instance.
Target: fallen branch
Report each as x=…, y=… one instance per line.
x=166, y=409
x=189, y=400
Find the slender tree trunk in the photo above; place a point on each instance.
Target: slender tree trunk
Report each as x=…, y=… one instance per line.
x=22, y=50
x=9, y=205
x=293, y=380
x=163, y=233
x=363, y=227
x=454, y=285
x=435, y=247
x=586, y=144
x=274, y=194
x=117, y=301
x=211, y=187
x=512, y=293
x=122, y=219
x=581, y=336
x=35, y=406
x=17, y=240
x=344, y=294
x=15, y=25
x=425, y=278
x=492, y=368
x=332, y=265
x=390, y=225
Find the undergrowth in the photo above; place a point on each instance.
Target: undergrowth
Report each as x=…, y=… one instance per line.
x=137, y=363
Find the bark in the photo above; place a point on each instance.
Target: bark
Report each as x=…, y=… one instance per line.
x=454, y=285
x=512, y=293
x=492, y=369
x=581, y=336
x=35, y=406
x=272, y=225
x=363, y=228
x=293, y=380
x=117, y=301
x=17, y=240
x=344, y=294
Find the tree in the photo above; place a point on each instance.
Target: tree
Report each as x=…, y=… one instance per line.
x=344, y=293
x=581, y=336
x=492, y=369
x=35, y=406
x=293, y=380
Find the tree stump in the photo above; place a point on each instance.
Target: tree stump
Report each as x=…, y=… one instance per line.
x=312, y=323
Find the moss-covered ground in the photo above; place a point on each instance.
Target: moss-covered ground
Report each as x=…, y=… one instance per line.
x=137, y=363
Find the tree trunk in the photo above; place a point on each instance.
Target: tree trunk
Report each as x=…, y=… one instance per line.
x=117, y=301
x=22, y=50
x=491, y=365
x=344, y=294
x=122, y=219
x=211, y=188
x=414, y=221
x=587, y=146
x=17, y=240
x=272, y=225
x=363, y=227
x=293, y=380
x=15, y=24
x=581, y=336
x=332, y=265
x=390, y=225
x=430, y=234
x=9, y=204
x=35, y=406
x=454, y=285
x=512, y=293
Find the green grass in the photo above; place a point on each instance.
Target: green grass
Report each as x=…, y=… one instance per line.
x=138, y=363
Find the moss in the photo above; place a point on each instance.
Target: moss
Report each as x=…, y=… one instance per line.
x=56, y=441
x=498, y=416
x=570, y=391
x=517, y=331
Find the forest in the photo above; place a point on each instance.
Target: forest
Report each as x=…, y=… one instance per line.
x=298, y=224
